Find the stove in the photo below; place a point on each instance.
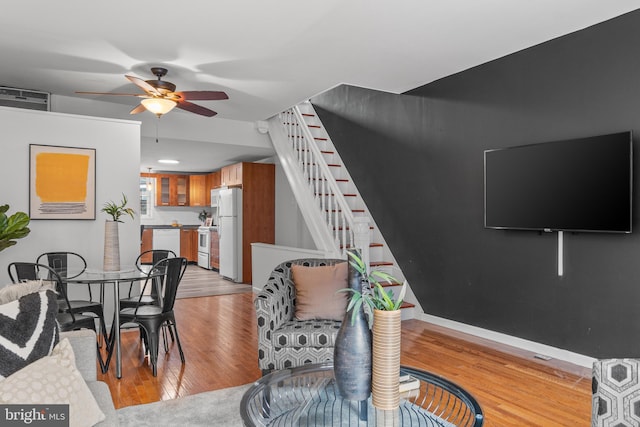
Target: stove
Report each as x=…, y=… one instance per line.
x=204, y=246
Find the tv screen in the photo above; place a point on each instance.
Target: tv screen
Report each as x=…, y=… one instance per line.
x=574, y=185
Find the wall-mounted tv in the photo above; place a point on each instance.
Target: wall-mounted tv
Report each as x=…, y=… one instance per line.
x=573, y=185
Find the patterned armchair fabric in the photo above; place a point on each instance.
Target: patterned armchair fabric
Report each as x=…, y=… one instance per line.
x=283, y=341
x=616, y=393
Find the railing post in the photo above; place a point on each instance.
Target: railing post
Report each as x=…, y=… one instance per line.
x=362, y=237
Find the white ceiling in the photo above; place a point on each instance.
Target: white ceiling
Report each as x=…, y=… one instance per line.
x=269, y=55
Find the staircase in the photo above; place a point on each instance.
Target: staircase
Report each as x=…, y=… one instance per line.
x=334, y=211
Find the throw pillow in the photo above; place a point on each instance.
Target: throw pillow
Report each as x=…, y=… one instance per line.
x=15, y=291
x=316, y=291
x=28, y=330
x=54, y=380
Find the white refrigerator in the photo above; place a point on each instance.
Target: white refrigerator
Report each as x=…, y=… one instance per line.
x=230, y=233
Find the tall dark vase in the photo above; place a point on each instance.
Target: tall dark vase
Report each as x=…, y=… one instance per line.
x=352, y=351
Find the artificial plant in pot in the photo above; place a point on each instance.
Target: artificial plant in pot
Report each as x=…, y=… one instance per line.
x=111, y=240
x=12, y=227
x=383, y=311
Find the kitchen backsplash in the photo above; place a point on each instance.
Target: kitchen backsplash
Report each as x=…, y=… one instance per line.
x=167, y=214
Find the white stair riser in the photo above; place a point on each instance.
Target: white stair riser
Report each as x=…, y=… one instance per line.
x=327, y=203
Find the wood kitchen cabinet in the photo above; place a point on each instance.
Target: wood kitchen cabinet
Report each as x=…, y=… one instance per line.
x=258, y=209
x=232, y=175
x=189, y=244
x=199, y=190
x=146, y=244
x=172, y=190
x=213, y=181
x=214, y=250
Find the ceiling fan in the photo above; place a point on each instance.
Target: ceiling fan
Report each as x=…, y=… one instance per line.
x=160, y=96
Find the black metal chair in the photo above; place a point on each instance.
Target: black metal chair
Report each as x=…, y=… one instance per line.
x=70, y=265
x=151, y=318
x=67, y=320
x=152, y=298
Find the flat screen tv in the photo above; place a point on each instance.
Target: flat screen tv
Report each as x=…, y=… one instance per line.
x=581, y=185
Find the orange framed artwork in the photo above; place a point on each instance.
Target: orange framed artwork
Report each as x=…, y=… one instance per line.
x=62, y=182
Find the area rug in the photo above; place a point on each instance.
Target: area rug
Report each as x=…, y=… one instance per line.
x=220, y=408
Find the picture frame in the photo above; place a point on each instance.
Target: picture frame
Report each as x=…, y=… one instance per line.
x=208, y=222
x=62, y=182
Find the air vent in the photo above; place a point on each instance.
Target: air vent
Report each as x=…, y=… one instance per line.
x=23, y=98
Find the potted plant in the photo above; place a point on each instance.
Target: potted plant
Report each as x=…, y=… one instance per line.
x=111, y=240
x=202, y=216
x=117, y=210
x=383, y=311
x=12, y=227
x=373, y=296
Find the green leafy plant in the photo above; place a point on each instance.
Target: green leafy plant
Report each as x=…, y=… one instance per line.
x=202, y=216
x=12, y=227
x=117, y=210
x=373, y=295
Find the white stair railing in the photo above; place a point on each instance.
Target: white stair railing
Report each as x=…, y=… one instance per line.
x=310, y=176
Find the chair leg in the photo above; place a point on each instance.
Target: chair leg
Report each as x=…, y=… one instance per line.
x=103, y=365
x=164, y=337
x=112, y=340
x=171, y=334
x=152, y=335
x=173, y=323
x=103, y=328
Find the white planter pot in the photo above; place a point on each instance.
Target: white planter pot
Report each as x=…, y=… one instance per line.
x=111, y=246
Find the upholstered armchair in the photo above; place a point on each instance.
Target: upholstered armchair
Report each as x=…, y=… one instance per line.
x=615, y=392
x=284, y=341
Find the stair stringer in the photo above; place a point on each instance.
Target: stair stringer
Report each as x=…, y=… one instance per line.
x=376, y=253
x=311, y=214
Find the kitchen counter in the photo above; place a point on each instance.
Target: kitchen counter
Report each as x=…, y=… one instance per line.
x=158, y=226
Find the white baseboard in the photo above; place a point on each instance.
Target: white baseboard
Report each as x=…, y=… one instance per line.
x=532, y=346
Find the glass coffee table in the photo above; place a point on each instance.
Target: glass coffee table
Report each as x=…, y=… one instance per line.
x=308, y=396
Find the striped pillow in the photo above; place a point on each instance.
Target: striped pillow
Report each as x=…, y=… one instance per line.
x=28, y=330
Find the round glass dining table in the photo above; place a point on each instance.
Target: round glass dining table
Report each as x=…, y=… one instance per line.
x=114, y=278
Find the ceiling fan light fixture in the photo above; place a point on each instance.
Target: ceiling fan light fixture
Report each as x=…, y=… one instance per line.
x=158, y=106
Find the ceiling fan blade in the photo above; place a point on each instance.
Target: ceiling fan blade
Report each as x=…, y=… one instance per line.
x=194, y=108
x=202, y=95
x=143, y=85
x=139, y=109
x=113, y=93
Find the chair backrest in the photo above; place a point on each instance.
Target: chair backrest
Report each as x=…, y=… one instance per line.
x=172, y=270
x=66, y=264
x=157, y=255
x=23, y=271
x=175, y=270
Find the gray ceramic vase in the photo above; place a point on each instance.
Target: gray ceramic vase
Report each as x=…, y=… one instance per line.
x=352, y=351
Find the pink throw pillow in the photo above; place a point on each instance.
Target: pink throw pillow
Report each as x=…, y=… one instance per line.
x=316, y=296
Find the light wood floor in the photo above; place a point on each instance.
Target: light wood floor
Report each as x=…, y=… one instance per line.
x=218, y=335
x=198, y=282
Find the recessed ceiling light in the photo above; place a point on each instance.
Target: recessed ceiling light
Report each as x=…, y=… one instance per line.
x=168, y=161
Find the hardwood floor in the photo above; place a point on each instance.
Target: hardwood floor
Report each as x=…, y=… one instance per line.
x=218, y=335
x=198, y=282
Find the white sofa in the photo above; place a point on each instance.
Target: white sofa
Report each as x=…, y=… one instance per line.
x=84, y=349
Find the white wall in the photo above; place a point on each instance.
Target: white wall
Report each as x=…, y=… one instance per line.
x=291, y=229
x=117, y=144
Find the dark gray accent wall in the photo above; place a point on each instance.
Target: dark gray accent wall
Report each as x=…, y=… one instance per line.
x=417, y=159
